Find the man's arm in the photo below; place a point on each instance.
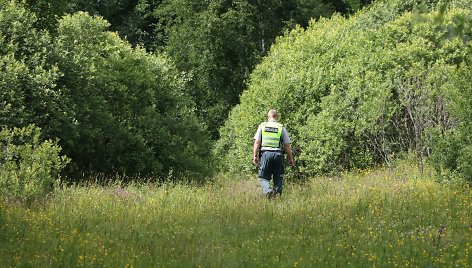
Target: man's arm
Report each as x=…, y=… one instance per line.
x=288, y=146
x=288, y=150
x=257, y=146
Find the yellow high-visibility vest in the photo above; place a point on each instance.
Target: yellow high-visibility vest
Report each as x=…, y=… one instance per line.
x=271, y=134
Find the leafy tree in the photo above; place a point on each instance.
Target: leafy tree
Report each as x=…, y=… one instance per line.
x=218, y=43
x=130, y=114
x=352, y=6
x=115, y=108
x=48, y=12
x=215, y=43
x=28, y=92
x=114, y=11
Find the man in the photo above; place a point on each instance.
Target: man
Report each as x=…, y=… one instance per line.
x=270, y=142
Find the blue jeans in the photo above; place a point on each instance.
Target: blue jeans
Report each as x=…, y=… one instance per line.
x=272, y=166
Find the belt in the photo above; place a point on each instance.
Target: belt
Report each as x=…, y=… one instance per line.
x=273, y=151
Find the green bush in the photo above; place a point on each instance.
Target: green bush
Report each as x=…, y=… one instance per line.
x=116, y=109
x=28, y=91
x=453, y=151
x=29, y=166
x=130, y=113
x=354, y=92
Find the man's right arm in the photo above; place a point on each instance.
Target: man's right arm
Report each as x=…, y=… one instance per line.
x=255, y=157
x=257, y=146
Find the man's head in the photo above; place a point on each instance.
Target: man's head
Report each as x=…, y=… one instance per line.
x=272, y=115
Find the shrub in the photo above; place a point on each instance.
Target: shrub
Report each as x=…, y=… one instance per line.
x=354, y=92
x=28, y=166
x=130, y=112
x=116, y=109
x=453, y=146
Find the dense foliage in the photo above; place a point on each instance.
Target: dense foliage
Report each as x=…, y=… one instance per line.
x=216, y=43
x=357, y=92
x=29, y=167
x=148, y=99
x=130, y=112
x=116, y=109
x=453, y=146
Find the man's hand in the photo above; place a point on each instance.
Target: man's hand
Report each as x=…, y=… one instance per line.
x=291, y=161
x=288, y=150
x=255, y=160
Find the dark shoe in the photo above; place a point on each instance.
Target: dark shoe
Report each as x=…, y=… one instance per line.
x=277, y=192
x=270, y=194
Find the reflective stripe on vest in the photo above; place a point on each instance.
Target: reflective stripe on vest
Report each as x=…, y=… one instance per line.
x=271, y=134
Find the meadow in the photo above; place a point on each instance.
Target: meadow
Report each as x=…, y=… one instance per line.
x=378, y=218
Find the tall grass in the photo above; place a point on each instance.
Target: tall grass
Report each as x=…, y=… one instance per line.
x=377, y=218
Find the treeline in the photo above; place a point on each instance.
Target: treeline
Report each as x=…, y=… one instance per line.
x=215, y=43
x=137, y=89
x=392, y=80
x=115, y=109
x=143, y=88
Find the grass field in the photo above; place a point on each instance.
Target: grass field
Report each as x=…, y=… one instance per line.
x=374, y=219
